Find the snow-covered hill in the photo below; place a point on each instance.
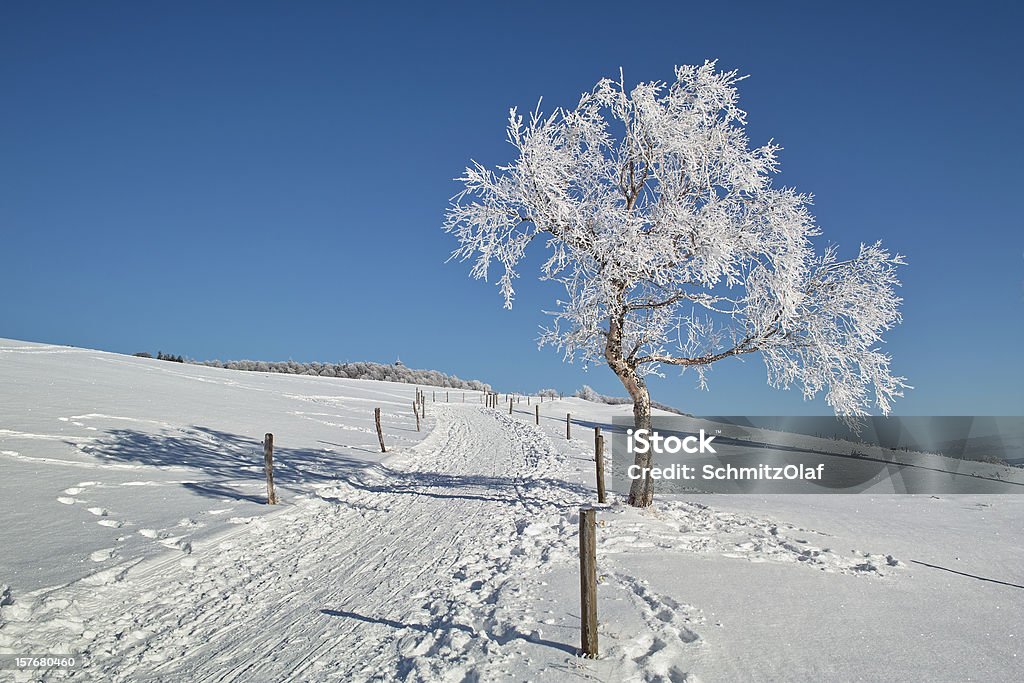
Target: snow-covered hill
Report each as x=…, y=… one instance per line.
x=109, y=457
x=135, y=535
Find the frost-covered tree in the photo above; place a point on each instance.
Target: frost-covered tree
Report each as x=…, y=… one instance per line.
x=674, y=248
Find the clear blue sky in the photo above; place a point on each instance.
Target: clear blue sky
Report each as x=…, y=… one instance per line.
x=267, y=180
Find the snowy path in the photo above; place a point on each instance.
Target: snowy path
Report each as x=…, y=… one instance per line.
x=415, y=568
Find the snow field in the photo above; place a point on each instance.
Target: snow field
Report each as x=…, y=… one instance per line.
x=144, y=544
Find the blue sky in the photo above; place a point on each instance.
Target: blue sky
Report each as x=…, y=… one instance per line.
x=268, y=180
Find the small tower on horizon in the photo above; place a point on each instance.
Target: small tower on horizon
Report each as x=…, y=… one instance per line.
x=399, y=363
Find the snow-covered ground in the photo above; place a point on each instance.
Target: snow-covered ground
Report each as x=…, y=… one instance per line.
x=135, y=533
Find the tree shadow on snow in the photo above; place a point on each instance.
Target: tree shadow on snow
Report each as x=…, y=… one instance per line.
x=235, y=462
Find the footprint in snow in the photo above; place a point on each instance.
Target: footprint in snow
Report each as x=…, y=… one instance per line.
x=107, y=576
x=103, y=555
x=179, y=543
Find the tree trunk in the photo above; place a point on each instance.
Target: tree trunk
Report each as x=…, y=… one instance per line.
x=641, y=490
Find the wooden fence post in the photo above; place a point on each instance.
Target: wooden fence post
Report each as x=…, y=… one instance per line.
x=597, y=436
x=446, y=397
x=588, y=582
x=417, y=414
x=268, y=465
x=536, y=413
x=599, y=457
x=380, y=434
x=568, y=426
x=510, y=406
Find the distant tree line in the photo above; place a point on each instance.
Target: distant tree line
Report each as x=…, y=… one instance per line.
x=588, y=394
x=362, y=370
x=160, y=355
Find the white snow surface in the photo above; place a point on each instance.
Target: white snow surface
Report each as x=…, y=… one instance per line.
x=136, y=535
